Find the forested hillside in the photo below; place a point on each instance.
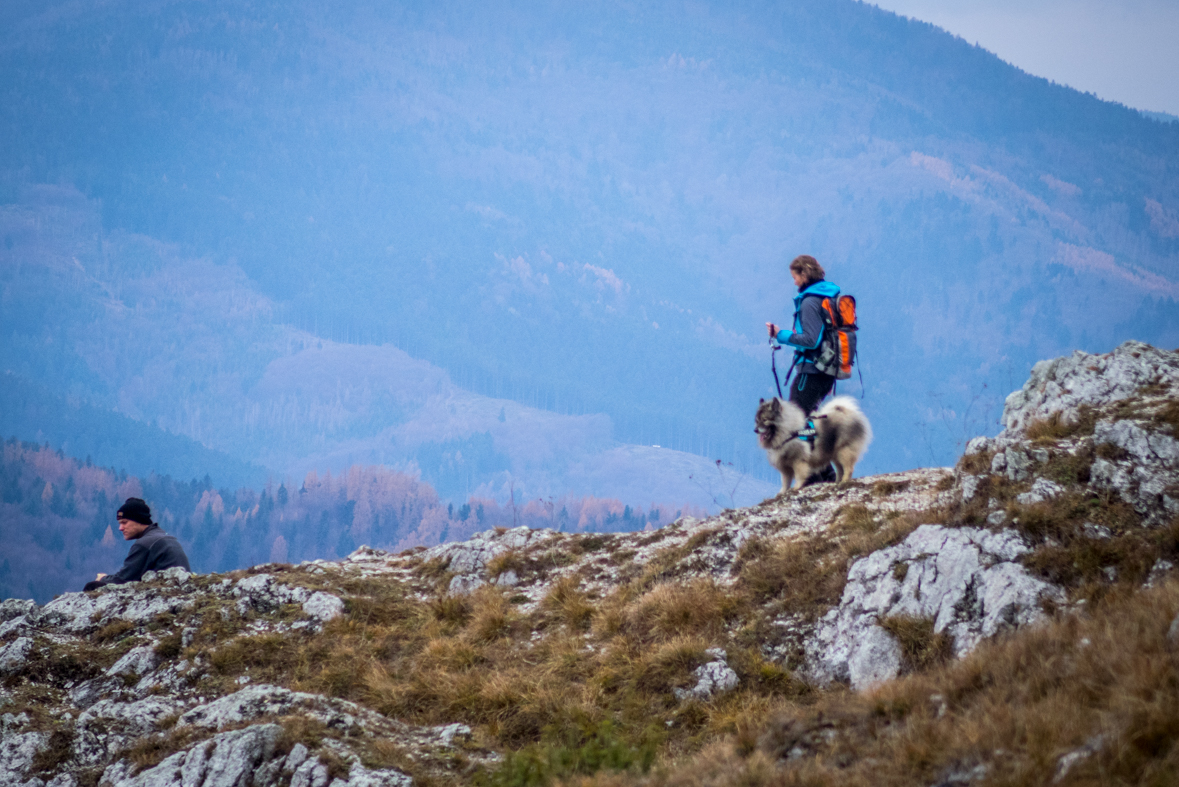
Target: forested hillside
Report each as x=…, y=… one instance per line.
x=58, y=529
x=576, y=216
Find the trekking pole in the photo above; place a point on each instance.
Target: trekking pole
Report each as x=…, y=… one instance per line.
x=774, y=363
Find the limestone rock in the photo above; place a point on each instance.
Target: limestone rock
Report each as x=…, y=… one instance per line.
x=14, y=654
x=1042, y=489
x=81, y=613
x=359, y=776
x=1062, y=385
x=137, y=661
x=231, y=759
x=16, y=607
x=965, y=580
x=173, y=576
x=715, y=677
x=323, y=606
x=16, y=755
x=262, y=593
x=242, y=706
x=311, y=773
x=108, y=726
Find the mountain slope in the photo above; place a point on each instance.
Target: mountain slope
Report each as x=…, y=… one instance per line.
x=1035, y=644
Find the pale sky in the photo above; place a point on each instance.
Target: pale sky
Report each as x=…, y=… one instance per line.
x=1125, y=51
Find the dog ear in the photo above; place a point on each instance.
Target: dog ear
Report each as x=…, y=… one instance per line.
x=761, y=401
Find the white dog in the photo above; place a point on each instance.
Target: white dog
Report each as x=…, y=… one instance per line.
x=841, y=435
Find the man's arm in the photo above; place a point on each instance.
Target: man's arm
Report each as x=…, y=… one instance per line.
x=133, y=566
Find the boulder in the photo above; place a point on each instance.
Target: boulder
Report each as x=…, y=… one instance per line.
x=232, y=759
x=323, y=606
x=263, y=593
x=135, y=662
x=14, y=654
x=16, y=607
x=965, y=580
x=1042, y=489
x=16, y=755
x=715, y=677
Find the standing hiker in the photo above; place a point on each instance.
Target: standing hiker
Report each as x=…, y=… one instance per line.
x=811, y=385
x=806, y=336
x=153, y=550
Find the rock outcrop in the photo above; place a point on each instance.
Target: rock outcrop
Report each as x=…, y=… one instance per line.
x=966, y=581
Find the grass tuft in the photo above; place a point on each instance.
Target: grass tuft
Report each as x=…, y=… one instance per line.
x=568, y=603
x=921, y=647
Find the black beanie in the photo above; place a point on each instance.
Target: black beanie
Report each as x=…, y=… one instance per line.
x=136, y=510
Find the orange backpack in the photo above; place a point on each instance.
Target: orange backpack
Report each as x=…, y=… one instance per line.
x=837, y=349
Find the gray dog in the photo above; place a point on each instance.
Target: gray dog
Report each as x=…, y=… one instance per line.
x=842, y=434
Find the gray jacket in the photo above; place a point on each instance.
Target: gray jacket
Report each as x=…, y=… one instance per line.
x=154, y=550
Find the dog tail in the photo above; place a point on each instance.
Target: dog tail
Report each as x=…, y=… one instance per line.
x=844, y=413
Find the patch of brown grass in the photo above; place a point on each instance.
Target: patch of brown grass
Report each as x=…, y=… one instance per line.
x=452, y=608
x=56, y=751
x=806, y=575
x=150, y=750
x=1168, y=417
x=1057, y=427
x=1016, y=706
x=168, y=647
x=568, y=603
x=886, y=488
x=921, y=647
x=1069, y=469
x=504, y=562
x=674, y=609
x=491, y=615
x=112, y=631
x=977, y=463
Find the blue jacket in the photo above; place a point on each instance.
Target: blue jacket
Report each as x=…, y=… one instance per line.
x=808, y=324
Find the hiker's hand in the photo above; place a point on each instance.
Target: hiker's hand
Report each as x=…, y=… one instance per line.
x=773, y=329
x=100, y=576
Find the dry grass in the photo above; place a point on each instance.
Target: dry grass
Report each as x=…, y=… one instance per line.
x=504, y=562
x=1168, y=417
x=806, y=575
x=150, y=750
x=56, y=751
x=1015, y=706
x=888, y=488
x=977, y=463
x=579, y=686
x=112, y=631
x=567, y=603
x=1070, y=469
x=1055, y=427
x=698, y=607
x=921, y=647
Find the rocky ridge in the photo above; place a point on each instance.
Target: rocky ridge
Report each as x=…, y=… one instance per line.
x=202, y=681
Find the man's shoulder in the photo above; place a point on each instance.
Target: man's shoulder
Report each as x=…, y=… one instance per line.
x=156, y=535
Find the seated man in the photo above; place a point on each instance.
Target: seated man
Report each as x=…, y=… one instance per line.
x=153, y=550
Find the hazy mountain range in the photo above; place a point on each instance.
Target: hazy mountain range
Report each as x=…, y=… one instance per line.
x=517, y=246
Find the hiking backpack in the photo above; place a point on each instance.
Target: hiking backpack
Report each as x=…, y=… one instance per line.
x=837, y=349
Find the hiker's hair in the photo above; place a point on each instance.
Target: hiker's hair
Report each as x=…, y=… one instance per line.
x=808, y=267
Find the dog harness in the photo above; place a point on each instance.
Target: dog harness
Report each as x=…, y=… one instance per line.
x=806, y=435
